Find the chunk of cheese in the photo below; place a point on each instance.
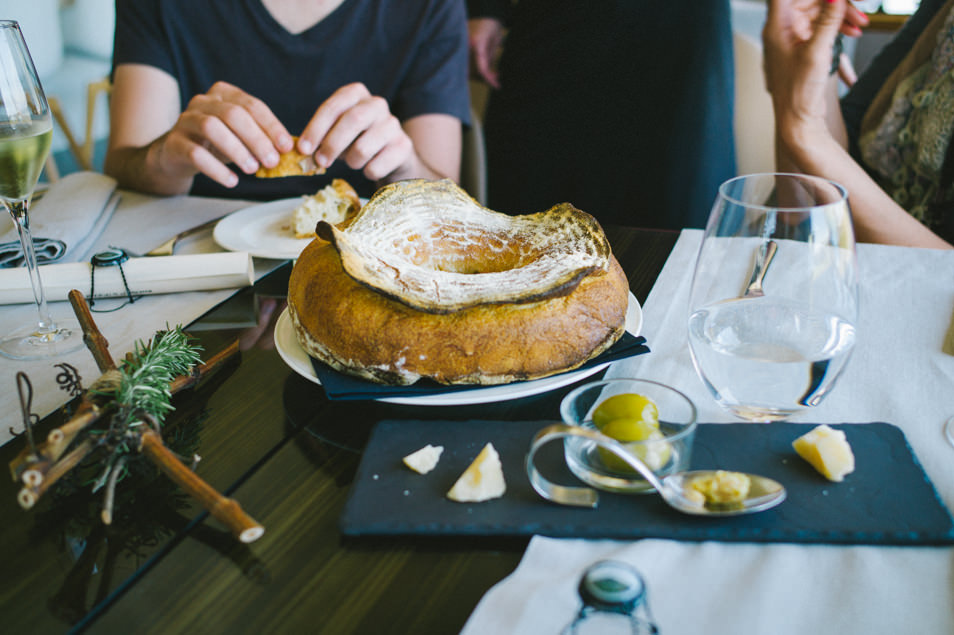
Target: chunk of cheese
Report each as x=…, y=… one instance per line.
x=482, y=480
x=721, y=487
x=828, y=452
x=424, y=460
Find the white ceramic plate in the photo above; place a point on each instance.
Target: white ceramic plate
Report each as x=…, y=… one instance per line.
x=298, y=360
x=264, y=230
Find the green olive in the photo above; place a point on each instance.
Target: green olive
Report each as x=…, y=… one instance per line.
x=641, y=438
x=626, y=406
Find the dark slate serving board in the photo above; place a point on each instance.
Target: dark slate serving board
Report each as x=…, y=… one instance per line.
x=887, y=500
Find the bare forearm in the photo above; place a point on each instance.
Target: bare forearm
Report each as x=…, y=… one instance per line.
x=418, y=168
x=436, y=142
x=810, y=136
x=141, y=169
x=877, y=217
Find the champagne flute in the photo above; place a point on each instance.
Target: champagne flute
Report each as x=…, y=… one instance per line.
x=26, y=129
x=774, y=296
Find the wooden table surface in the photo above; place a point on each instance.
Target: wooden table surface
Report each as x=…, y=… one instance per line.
x=270, y=439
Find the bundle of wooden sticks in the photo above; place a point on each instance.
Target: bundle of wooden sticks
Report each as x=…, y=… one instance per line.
x=158, y=369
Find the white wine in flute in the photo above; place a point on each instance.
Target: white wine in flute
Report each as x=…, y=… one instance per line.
x=26, y=128
x=23, y=151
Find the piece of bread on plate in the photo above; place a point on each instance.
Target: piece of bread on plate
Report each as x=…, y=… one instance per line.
x=336, y=203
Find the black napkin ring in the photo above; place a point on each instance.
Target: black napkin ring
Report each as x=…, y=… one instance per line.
x=112, y=257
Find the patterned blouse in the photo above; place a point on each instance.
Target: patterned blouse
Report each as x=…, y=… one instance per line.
x=907, y=148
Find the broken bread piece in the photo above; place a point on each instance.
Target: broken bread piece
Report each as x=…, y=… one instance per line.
x=291, y=163
x=827, y=450
x=424, y=460
x=336, y=204
x=482, y=480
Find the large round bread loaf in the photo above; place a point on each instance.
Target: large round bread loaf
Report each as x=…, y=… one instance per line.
x=507, y=298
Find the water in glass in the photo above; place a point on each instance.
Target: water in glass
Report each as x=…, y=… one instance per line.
x=769, y=355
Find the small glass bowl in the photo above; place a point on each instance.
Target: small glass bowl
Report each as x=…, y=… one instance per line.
x=677, y=423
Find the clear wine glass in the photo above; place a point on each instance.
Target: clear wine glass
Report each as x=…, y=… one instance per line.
x=26, y=129
x=774, y=296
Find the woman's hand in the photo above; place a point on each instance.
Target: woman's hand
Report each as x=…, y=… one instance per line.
x=799, y=39
x=485, y=36
x=799, y=36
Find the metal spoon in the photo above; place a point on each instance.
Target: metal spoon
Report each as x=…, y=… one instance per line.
x=764, y=493
x=762, y=261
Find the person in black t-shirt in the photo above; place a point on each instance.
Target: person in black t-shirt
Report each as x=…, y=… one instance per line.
x=204, y=93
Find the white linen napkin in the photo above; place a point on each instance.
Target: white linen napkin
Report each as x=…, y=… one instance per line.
x=734, y=589
x=75, y=210
x=949, y=338
x=898, y=373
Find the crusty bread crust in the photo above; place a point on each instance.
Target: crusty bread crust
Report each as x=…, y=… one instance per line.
x=430, y=245
x=359, y=331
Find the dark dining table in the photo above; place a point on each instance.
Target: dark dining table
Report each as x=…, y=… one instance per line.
x=272, y=440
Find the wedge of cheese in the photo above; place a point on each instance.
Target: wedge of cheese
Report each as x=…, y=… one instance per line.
x=424, y=460
x=482, y=480
x=721, y=487
x=827, y=450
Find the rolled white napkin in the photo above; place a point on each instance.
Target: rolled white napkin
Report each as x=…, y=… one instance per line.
x=75, y=210
x=145, y=276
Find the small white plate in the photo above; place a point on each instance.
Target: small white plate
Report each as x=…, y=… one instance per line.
x=264, y=230
x=298, y=360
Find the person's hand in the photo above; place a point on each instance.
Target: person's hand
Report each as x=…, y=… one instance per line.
x=485, y=35
x=224, y=126
x=846, y=70
x=360, y=129
x=261, y=335
x=799, y=38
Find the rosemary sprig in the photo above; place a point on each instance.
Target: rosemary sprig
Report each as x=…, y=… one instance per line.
x=136, y=398
x=142, y=396
x=146, y=373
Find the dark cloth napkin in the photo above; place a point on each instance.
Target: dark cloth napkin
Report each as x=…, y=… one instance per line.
x=340, y=386
x=47, y=250
x=66, y=222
